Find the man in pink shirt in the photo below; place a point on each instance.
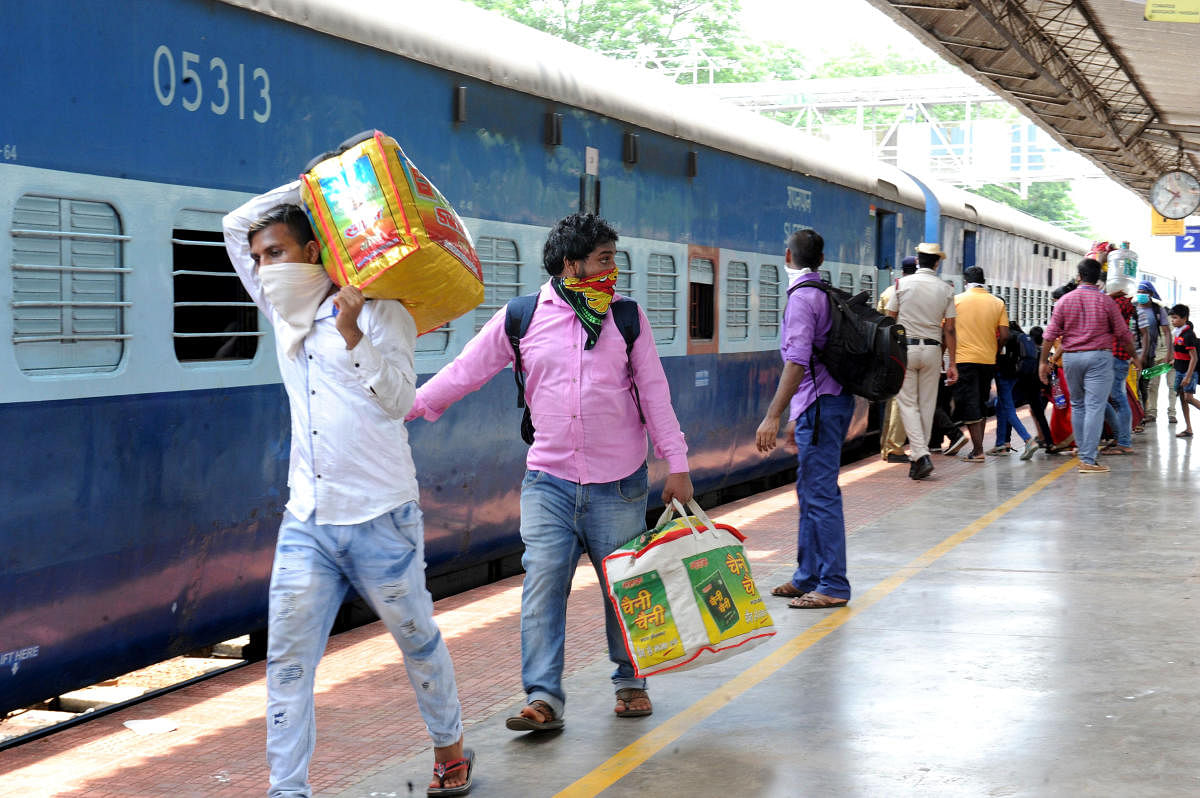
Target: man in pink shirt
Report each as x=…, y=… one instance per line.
x=586, y=487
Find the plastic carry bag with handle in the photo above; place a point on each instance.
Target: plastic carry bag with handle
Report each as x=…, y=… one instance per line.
x=684, y=594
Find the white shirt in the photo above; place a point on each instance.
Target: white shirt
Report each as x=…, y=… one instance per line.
x=350, y=459
x=921, y=301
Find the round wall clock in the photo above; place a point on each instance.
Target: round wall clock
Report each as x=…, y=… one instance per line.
x=1175, y=195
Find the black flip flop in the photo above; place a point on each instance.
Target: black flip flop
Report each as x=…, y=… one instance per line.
x=522, y=723
x=440, y=770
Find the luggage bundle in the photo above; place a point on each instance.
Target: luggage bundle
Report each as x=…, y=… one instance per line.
x=385, y=228
x=684, y=594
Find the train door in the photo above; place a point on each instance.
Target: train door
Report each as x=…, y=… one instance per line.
x=968, y=259
x=702, y=301
x=885, y=253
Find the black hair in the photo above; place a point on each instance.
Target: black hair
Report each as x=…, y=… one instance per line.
x=973, y=274
x=928, y=260
x=1036, y=334
x=1179, y=310
x=293, y=216
x=807, y=248
x=574, y=238
x=1089, y=271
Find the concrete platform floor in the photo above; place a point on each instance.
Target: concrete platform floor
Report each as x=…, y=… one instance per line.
x=1017, y=629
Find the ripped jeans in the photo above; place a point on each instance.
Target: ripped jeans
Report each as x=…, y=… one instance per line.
x=384, y=560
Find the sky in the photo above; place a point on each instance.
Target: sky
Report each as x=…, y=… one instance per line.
x=836, y=26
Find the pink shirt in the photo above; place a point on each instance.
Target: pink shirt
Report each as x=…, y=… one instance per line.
x=580, y=402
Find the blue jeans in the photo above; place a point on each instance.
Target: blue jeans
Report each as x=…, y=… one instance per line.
x=384, y=559
x=560, y=520
x=1006, y=412
x=1117, y=412
x=1089, y=379
x=821, y=539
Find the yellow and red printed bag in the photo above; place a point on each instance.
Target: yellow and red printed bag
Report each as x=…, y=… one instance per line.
x=684, y=594
x=385, y=228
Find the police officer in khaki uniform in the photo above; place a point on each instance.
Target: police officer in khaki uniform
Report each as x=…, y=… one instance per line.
x=891, y=438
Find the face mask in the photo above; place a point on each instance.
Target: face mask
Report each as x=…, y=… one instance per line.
x=1142, y=299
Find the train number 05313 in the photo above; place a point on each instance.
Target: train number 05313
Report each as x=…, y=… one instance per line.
x=189, y=81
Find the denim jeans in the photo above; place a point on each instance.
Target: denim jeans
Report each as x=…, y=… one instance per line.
x=821, y=538
x=384, y=559
x=1117, y=412
x=1006, y=412
x=560, y=520
x=1089, y=379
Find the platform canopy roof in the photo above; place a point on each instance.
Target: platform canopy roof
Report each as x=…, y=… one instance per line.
x=1097, y=76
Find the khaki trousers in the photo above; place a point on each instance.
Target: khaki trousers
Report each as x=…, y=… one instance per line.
x=891, y=439
x=918, y=396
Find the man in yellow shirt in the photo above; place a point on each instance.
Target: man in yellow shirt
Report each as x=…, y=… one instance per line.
x=982, y=328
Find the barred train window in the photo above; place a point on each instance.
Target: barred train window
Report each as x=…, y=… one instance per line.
x=624, y=273
x=215, y=318
x=68, y=286
x=846, y=282
x=501, y=264
x=737, y=300
x=867, y=283
x=701, y=299
x=661, y=294
x=768, y=301
x=826, y=277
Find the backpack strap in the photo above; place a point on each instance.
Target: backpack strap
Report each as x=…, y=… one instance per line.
x=626, y=317
x=517, y=315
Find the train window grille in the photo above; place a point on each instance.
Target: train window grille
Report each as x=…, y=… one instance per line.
x=624, y=273
x=737, y=300
x=214, y=317
x=769, y=304
x=501, y=262
x=68, y=285
x=826, y=277
x=661, y=296
x=702, y=299
x=846, y=282
x=867, y=283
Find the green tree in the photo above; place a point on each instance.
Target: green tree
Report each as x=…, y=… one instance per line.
x=669, y=30
x=1050, y=202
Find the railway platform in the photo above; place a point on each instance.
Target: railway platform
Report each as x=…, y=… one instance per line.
x=1017, y=629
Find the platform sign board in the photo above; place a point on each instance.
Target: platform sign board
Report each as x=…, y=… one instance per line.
x=1189, y=241
x=1162, y=226
x=1174, y=11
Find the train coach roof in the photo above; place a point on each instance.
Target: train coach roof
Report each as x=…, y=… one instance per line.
x=962, y=204
x=470, y=41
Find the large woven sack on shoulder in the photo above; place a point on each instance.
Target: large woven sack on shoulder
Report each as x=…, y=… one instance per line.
x=385, y=228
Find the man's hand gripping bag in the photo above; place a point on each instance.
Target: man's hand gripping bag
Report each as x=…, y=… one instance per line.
x=684, y=594
x=385, y=228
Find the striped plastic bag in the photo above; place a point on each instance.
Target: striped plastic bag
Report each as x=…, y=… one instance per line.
x=684, y=594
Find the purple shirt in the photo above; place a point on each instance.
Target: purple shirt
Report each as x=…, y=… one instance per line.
x=587, y=424
x=806, y=323
x=1088, y=319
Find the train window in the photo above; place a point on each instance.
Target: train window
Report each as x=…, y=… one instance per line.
x=846, y=282
x=867, y=283
x=737, y=300
x=769, y=304
x=68, y=285
x=661, y=293
x=501, y=264
x=214, y=317
x=624, y=273
x=826, y=277
x=435, y=342
x=702, y=299
x=1035, y=248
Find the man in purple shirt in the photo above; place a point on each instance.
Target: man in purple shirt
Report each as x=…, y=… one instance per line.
x=1088, y=322
x=585, y=489
x=822, y=413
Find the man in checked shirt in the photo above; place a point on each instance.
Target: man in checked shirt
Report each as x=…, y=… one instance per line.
x=585, y=488
x=1089, y=322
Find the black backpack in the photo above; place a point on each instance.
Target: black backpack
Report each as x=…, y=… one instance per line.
x=865, y=351
x=517, y=315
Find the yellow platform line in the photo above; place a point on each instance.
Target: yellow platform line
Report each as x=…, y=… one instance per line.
x=637, y=752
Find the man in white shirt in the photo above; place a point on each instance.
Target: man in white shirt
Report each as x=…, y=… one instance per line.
x=352, y=517
x=924, y=305
x=891, y=437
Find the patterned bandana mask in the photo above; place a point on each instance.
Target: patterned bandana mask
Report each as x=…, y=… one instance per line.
x=589, y=297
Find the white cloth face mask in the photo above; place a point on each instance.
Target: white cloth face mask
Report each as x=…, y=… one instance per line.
x=295, y=290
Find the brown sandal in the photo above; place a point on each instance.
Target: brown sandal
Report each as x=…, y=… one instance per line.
x=817, y=601
x=625, y=698
x=787, y=590
x=523, y=722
